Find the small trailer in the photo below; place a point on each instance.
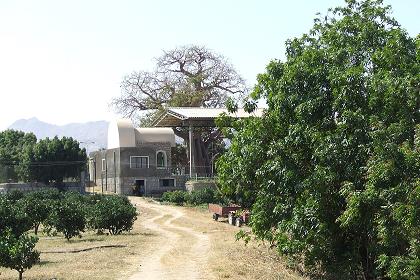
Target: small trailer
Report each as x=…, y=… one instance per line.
x=234, y=213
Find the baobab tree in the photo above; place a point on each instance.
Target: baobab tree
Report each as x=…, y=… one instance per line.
x=188, y=76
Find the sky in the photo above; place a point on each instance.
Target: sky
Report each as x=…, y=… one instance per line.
x=63, y=61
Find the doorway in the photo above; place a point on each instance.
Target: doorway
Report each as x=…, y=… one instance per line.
x=140, y=187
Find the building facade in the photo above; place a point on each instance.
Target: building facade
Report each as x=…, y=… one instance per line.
x=137, y=161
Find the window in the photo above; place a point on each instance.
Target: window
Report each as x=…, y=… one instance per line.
x=139, y=162
x=160, y=159
x=167, y=182
x=103, y=164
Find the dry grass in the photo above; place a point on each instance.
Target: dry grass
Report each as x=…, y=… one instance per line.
x=231, y=259
x=103, y=263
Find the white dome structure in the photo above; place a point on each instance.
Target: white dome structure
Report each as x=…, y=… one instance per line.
x=122, y=134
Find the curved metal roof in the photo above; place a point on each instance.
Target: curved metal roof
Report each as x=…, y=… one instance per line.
x=155, y=135
x=121, y=133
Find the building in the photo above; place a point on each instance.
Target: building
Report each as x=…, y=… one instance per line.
x=137, y=161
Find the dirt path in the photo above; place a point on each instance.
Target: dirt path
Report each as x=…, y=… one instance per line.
x=180, y=252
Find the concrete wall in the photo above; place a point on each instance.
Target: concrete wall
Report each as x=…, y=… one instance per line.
x=198, y=185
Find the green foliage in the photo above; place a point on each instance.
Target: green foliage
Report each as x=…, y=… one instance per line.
x=14, y=195
x=13, y=216
x=13, y=145
x=195, y=197
x=113, y=213
x=18, y=252
x=178, y=197
x=68, y=216
x=202, y=196
x=332, y=169
x=49, y=160
x=38, y=205
x=52, y=160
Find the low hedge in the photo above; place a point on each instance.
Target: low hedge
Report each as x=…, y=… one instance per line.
x=196, y=197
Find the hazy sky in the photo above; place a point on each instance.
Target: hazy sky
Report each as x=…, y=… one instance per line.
x=63, y=61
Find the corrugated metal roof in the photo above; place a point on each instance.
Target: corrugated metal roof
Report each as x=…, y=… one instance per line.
x=210, y=113
x=174, y=116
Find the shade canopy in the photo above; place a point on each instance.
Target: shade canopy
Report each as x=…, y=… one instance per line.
x=198, y=117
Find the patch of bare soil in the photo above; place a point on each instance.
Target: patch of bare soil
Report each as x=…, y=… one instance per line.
x=190, y=245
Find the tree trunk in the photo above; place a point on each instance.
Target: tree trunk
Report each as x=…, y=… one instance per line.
x=201, y=157
x=367, y=262
x=20, y=274
x=202, y=161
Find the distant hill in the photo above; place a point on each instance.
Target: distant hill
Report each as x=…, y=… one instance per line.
x=96, y=132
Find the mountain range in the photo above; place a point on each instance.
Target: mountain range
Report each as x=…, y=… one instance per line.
x=92, y=135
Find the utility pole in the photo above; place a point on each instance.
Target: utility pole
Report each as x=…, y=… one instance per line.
x=87, y=143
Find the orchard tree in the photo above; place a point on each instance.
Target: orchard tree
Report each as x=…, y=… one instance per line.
x=37, y=207
x=113, y=213
x=189, y=76
x=332, y=169
x=18, y=252
x=68, y=216
x=13, y=216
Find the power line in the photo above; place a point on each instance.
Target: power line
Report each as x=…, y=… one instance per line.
x=43, y=163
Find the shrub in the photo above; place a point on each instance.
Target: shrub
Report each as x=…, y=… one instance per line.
x=201, y=196
x=68, y=216
x=113, y=213
x=14, y=195
x=44, y=194
x=178, y=197
x=38, y=205
x=13, y=217
x=18, y=252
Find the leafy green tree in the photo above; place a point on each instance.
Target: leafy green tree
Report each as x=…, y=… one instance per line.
x=113, y=213
x=68, y=216
x=38, y=206
x=52, y=160
x=332, y=169
x=18, y=252
x=13, y=143
x=13, y=217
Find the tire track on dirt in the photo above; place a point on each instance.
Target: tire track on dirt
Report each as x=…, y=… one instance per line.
x=181, y=253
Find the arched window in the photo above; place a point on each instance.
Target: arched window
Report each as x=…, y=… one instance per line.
x=160, y=159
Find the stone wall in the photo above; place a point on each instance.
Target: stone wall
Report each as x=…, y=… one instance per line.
x=198, y=185
x=28, y=187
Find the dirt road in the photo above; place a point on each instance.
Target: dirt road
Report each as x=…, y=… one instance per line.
x=186, y=244
x=181, y=252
